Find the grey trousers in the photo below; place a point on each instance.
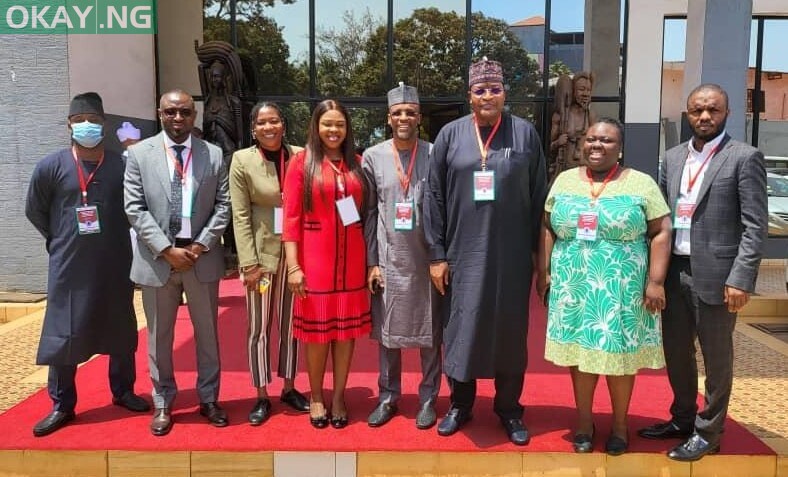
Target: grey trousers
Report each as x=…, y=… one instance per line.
x=686, y=317
x=390, y=377
x=161, y=306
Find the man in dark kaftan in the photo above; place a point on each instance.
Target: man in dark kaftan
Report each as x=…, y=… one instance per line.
x=75, y=200
x=483, y=205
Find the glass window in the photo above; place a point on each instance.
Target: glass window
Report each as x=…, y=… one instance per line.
x=369, y=125
x=272, y=43
x=350, y=38
x=673, y=102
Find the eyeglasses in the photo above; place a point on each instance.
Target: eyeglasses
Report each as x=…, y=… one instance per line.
x=173, y=112
x=494, y=91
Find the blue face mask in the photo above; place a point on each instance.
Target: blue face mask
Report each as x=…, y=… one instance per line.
x=87, y=134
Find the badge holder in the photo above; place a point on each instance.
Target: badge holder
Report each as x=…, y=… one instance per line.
x=403, y=215
x=483, y=186
x=587, y=224
x=88, y=220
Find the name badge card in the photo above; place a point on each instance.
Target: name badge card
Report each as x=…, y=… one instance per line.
x=403, y=216
x=88, y=220
x=483, y=185
x=587, y=225
x=683, y=218
x=347, y=211
x=278, y=220
x=188, y=198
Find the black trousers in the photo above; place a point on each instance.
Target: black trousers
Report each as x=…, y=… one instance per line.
x=508, y=388
x=62, y=388
x=686, y=317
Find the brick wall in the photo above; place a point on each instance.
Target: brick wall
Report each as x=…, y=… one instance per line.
x=34, y=97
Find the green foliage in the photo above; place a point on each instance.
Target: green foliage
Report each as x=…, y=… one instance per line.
x=558, y=68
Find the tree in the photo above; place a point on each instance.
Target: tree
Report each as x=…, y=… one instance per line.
x=558, y=68
x=244, y=8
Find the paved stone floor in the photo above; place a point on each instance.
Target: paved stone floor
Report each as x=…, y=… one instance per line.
x=759, y=400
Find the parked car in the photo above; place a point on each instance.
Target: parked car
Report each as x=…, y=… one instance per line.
x=777, y=190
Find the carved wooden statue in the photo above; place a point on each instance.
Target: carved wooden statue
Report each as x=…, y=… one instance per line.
x=571, y=118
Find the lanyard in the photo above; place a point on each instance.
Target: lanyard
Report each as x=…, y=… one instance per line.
x=404, y=180
x=692, y=179
x=83, y=184
x=339, y=174
x=180, y=170
x=484, y=148
x=281, y=161
x=596, y=193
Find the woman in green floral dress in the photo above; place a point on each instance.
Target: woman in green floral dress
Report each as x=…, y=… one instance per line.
x=603, y=259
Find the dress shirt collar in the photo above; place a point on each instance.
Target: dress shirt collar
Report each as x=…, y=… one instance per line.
x=169, y=143
x=708, y=146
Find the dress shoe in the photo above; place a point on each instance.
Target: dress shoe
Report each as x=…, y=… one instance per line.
x=616, y=445
x=453, y=421
x=426, y=417
x=339, y=422
x=584, y=443
x=516, y=431
x=260, y=412
x=52, y=422
x=295, y=400
x=321, y=421
x=693, y=449
x=665, y=430
x=132, y=402
x=215, y=414
x=162, y=422
x=382, y=414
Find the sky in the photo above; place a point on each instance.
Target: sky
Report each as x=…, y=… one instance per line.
x=566, y=16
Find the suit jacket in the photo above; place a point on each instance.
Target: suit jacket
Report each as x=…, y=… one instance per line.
x=255, y=191
x=147, y=203
x=730, y=222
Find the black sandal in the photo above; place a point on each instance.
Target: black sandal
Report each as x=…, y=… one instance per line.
x=339, y=422
x=319, y=422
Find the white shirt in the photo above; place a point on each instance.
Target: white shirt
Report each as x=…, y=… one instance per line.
x=188, y=184
x=695, y=158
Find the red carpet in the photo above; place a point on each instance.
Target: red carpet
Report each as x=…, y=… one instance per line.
x=547, y=396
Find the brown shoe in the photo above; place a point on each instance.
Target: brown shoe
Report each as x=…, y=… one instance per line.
x=162, y=422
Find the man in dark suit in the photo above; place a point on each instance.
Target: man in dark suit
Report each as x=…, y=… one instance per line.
x=177, y=201
x=717, y=189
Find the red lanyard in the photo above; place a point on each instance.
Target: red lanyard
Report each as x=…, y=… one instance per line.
x=596, y=193
x=339, y=174
x=692, y=179
x=404, y=180
x=83, y=184
x=281, y=162
x=180, y=170
x=484, y=148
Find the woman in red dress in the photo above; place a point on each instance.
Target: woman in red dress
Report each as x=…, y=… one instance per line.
x=325, y=254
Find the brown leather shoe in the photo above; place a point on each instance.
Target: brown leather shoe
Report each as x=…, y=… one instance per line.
x=162, y=422
x=215, y=414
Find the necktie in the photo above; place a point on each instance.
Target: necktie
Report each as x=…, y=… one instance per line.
x=176, y=187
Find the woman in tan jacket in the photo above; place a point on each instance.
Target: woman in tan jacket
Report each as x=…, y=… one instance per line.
x=255, y=177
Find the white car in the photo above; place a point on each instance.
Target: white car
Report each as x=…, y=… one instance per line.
x=777, y=190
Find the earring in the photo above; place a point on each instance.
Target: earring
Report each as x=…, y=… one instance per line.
x=620, y=155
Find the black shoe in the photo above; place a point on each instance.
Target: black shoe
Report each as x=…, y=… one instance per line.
x=616, y=445
x=426, y=417
x=260, y=412
x=584, y=443
x=54, y=421
x=215, y=414
x=665, y=430
x=132, y=402
x=382, y=414
x=319, y=422
x=516, y=431
x=295, y=400
x=453, y=421
x=162, y=422
x=693, y=449
x=339, y=422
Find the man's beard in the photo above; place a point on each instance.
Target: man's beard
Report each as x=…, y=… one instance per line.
x=711, y=134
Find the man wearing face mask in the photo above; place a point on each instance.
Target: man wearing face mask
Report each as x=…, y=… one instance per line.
x=75, y=200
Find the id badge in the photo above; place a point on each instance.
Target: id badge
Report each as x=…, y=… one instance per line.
x=483, y=185
x=587, y=223
x=88, y=220
x=683, y=216
x=187, y=199
x=278, y=220
x=403, y=215
x=347, y=211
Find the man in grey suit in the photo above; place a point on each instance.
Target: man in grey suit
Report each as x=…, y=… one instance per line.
x=177, y=201
x=716, y=187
